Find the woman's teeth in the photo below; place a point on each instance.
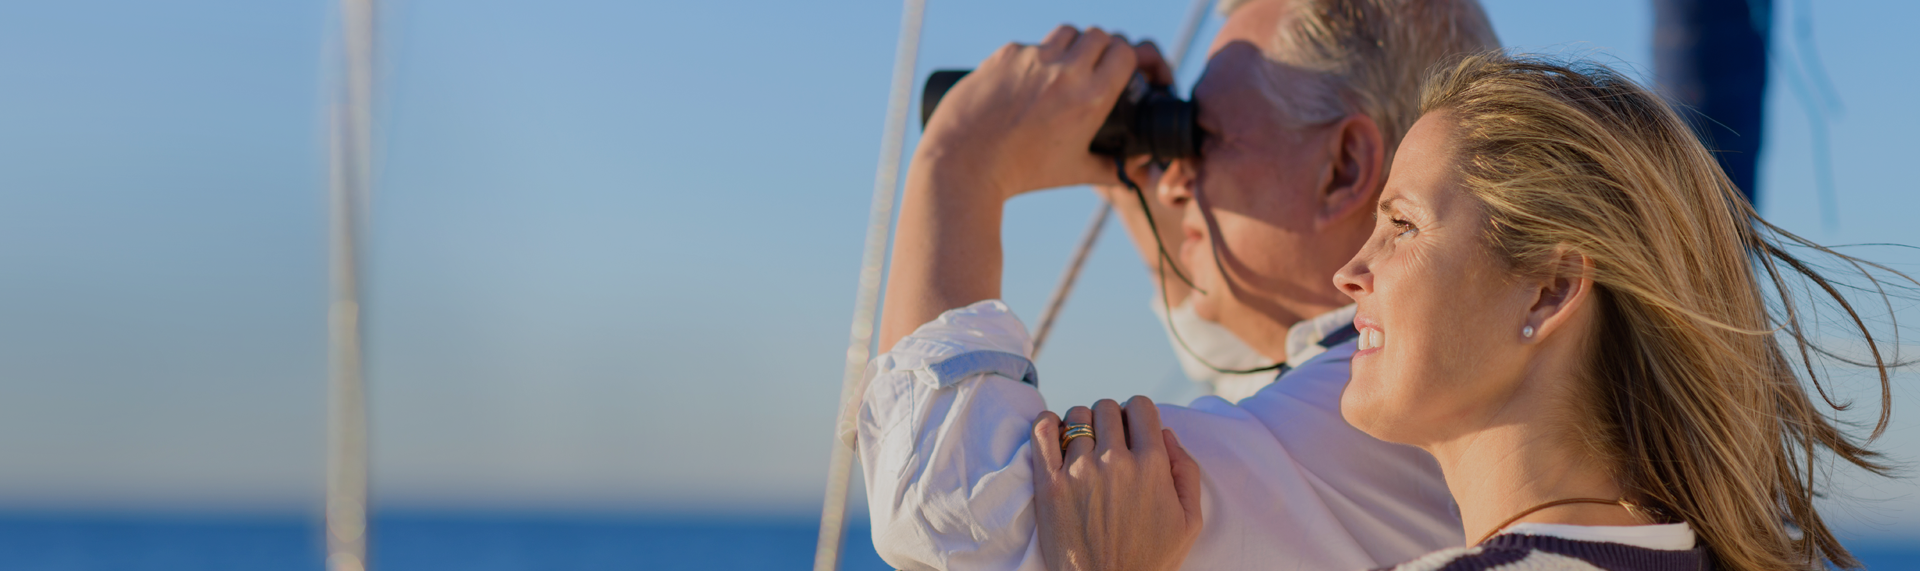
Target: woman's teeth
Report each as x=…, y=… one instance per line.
x=1371, y=338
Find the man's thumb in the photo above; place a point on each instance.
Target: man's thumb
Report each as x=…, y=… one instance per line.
x=1186, y=477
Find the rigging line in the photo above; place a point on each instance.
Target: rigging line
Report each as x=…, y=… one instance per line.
x=886, y=183
x=351, y=173
x=1816, y=100
x=1182, y=44
x=1069, y=276
x=1810, y=57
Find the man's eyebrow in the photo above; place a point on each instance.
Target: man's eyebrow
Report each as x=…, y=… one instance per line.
x=1386, y=206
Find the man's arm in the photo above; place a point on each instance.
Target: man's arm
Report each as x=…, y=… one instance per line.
x=946, y=253
x=1021, y=122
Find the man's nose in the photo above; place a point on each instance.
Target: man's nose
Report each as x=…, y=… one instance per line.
x=1176, y=185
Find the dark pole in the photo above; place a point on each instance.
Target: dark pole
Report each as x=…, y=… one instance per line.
x=1710, y=58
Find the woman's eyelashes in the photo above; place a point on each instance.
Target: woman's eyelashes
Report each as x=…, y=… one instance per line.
x=1403, y=228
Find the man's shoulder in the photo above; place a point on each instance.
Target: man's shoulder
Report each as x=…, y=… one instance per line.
x=1316, y=383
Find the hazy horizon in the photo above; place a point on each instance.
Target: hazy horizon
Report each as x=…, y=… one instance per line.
x=613, y=246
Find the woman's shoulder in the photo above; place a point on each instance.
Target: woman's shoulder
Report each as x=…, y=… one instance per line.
x=1544, y=553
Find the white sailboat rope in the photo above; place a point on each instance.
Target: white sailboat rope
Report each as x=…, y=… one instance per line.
x=886, y=182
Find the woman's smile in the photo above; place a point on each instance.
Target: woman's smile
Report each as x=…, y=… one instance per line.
x=1372, y=336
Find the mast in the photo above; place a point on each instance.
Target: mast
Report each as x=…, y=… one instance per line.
x=351, y=173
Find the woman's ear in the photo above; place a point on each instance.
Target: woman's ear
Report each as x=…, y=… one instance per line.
x=1356, y=167
x=1561, y=295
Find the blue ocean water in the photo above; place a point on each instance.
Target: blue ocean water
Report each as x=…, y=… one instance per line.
x=68, y=542
x=467, y=542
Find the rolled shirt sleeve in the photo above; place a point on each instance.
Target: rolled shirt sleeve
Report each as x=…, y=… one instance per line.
x=945, y=449
x=944, y=438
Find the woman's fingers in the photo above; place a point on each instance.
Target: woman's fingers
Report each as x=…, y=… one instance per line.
x=1046, y=444
x=1078, y=447
x=1143, y=426
x=1109, y=430
x=1186, y=478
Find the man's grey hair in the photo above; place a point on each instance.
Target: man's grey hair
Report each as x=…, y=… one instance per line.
x=1368, y=56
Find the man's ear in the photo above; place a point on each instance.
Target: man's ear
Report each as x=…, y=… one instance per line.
x=1560, y=295
x=1356, y=167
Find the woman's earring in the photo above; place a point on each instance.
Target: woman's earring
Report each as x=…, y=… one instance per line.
x=1527, y=332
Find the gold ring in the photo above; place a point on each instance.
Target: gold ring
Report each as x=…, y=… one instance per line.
x=1075, y=431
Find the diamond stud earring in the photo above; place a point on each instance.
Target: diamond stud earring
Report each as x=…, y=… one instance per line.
x=1527, y=332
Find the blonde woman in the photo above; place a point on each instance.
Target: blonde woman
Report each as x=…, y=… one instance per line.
x=1566, y=302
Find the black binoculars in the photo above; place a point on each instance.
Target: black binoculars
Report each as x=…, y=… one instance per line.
x=1148, y=119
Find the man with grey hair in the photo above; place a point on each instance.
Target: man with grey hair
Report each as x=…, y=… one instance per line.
x=1303, y=102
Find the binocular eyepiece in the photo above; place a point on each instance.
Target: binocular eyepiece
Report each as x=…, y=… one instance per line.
x=1148, y=119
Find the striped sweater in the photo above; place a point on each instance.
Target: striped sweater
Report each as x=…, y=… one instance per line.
x=1515, y=552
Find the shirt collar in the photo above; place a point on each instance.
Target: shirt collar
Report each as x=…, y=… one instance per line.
x=1303, y=339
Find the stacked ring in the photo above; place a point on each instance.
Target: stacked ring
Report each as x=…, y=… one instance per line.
x=1075, y=431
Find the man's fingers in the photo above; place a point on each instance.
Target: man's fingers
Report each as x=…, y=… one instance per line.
x=1116, y=64
x=1059, y=39
x=1186, y=477
x=1088, y=48
x=1143, y=426
x=1046, y=445
x=1158, y=71
x=1108, y=428
x=1078, y=447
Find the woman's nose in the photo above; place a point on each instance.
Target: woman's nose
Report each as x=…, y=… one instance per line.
x=1176, y=185
x=1355, y=279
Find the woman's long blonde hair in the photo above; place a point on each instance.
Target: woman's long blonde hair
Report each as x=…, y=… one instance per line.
x=1702, y=363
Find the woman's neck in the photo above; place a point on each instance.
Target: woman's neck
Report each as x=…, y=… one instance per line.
x=1502, y=471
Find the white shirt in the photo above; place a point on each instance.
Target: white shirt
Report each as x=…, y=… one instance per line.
x=1666, y=536
x=944, y=426
x=1198, y=343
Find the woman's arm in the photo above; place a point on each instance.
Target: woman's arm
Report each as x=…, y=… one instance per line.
x=1126, y=499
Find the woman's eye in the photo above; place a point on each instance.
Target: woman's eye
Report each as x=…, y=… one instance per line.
x=1405, y=228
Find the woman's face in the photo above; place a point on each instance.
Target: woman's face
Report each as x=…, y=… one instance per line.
x=1440, y=317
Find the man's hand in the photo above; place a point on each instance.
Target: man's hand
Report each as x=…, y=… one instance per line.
x=1020, y=122
x=1025, y=116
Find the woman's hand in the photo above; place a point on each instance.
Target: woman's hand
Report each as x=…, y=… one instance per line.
x=1023, y=119
x=1126, y=499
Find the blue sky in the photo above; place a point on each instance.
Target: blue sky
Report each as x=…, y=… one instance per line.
x=614, y=244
